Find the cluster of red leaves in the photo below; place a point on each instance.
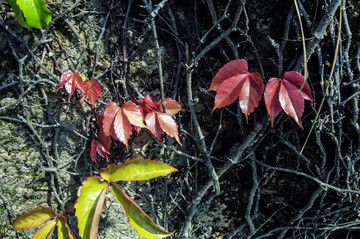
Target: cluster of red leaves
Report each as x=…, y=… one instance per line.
x=90, y=88
x=234, y=81
x=119, y=122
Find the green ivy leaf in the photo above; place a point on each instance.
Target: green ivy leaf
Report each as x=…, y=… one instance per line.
x=136, y=169
x=35, y=12
x=45, y=231
x=89, y=205
x=138, y=219
x=18, y=13
x=64, y=231
x=33, y=218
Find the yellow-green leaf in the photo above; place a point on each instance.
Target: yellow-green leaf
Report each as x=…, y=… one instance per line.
x=33, y=218
x=91, y=195
x=64, y=231
x=136, y=169
x=138, y=219
x=46, y=231
x=35, y=12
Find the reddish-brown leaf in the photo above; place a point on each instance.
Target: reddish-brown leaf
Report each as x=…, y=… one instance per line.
x=92, y=88
x=71, y=81
x=122, y=129
x=233, y=81
x=119, y=122
x=284, y=94
x=172, y=106
x=109, y=114
x=157, y=121
x=232, y=68
x=168, y=125
x=104, y=141
x=152, y=122
x=148, y=104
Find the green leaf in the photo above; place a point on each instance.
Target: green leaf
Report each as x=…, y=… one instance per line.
x=45, y=231
x=33, y=218
x=89, y=204
x=138, y=219
x=64, y=231
x=35, y=12
x=18, y=13
x=136, y=169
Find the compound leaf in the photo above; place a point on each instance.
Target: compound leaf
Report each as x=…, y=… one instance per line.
x=119, y=122
x=135, y=170
x=138, y=219
x=285, y=94
x=71, y=81
x=240, y=84
x=88, y=206
x=33, y=218
x=159, y=122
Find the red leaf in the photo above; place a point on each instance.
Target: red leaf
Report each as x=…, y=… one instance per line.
x=94, y=149
x=157, y=121
x=148, y=104
x=284, y=94
x=297, y=79
x=119, y=122
x=71, y=81
x=122, y=129
x=92, y=88
x=232, y=68
x=172, y=106
x=292, y=101
x=109, y=114
x=152, y=122
x=271, y=97
x=234, y=81
x=168, y=125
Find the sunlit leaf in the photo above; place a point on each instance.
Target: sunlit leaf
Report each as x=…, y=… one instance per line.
x=237, y=83
x=87, y=206
x=159, y=122
x=168, y=125
x=33, y=218
x=119, y=122
x=64, y=231
x=33, y=12
x=136, y=169
x=18, y=12
x=46, y=231
x=172, y=106
x=141, y=222
x=71, y=80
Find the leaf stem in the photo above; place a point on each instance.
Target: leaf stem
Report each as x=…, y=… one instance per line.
x=303, y=44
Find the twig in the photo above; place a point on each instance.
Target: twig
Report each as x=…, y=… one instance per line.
x=327, y=88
